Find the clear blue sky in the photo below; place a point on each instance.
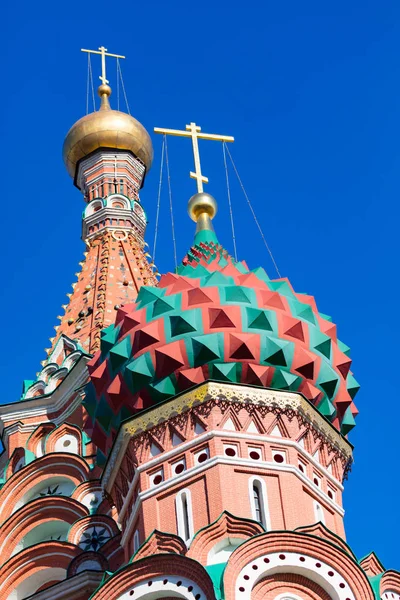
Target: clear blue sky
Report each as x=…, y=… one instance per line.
x=310, y=90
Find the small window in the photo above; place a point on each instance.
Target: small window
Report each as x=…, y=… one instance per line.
x=201, y=456
x=136, y=541
x=317, y=480
x=258, y=501
x=279, y=457
x=230, y=450
x=331, y=493
x=255, y=453
x=178, y=467
x=319, y=513
x=156, y=477
x=184, y=515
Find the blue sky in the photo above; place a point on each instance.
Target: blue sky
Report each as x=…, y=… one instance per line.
x=310, y=90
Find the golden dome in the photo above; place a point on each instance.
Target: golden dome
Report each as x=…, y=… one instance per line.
x=106, y=128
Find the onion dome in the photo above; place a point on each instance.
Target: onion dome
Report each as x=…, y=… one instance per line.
x=106, y=128
x=217, y=319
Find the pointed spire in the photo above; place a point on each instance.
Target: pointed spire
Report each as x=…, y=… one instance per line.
x=202, y=208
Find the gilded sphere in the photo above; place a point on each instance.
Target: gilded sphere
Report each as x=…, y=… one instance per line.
x=202, y=203
x=106, y=128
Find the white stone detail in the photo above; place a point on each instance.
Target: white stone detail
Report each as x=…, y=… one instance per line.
x=222, y=550
x=252, y=428
x=276, y=432
x=229, y=425
x=174, y=586
x=313, y=569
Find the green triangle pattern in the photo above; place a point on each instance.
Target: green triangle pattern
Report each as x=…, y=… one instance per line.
x=163, y=305
x=225, y=372
x=121, y=352
x=320, y=342
x=348, y=422
x=282, y=287
x=206, y=348
x=108, y=337
x=149, y=294
x=344, y=348
x=139, y=372
x=326, y=408
x=238, y=294
x=352, y=385
x=163, y=389
x=328, y=379
x=183, y=323
x=283, y=380
x=261, y=274
x=276, y=352
x=260, y=319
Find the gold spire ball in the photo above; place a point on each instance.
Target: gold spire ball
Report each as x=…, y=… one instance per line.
x=106, y=128
x=202, y=208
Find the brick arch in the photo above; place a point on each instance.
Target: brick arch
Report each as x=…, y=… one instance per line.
x=36, y=512
x=59, y=432
x=47, y=555
x=59, y=464
x=227, y=525
x=269, y=588
x=153, y=567
x=40, y=432
x=15, y=458
x=390, y=582
x=314, y=548
x=92, y=521
x=322, y=531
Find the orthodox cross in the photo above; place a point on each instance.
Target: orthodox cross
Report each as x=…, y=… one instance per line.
x=194, y=131
x=104, y=53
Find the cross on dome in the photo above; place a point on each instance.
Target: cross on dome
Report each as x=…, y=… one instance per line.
x=194, y=131
x=103, y=52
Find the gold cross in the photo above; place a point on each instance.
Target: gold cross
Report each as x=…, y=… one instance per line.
x=104, y=53
x=193, y=131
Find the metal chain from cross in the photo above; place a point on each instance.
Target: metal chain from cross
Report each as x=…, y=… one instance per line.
x=103, y=52
x=193, y=131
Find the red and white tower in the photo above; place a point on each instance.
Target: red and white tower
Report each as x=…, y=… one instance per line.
x=186, y=438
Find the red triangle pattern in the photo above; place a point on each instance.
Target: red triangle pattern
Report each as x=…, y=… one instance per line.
x=293, y=328
x=304, y=363
x=257, y=375
x=342, y=362
x=145, y=337
x=311, y=392
x=197, y=296
x=118, y=393
x=100, y=377
x=187, y=378
x=219, y=318
x=244, y=347
x=272, y=299
x=169, y=358
x=250, y=280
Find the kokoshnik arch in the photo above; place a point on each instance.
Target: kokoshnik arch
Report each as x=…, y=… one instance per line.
x=186, y=436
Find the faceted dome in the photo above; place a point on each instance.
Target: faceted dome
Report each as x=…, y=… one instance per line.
x=106, y=128
x=216, y=319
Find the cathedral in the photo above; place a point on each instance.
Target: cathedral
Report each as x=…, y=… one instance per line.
x=187, y=435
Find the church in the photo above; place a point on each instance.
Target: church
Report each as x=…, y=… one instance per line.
x=187, y=435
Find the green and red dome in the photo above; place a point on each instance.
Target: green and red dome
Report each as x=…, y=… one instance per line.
x=216, y=319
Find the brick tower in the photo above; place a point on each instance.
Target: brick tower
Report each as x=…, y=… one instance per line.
x=184, y=439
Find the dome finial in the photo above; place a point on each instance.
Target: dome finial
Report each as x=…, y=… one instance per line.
x=202, y=208
x=104, y=91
